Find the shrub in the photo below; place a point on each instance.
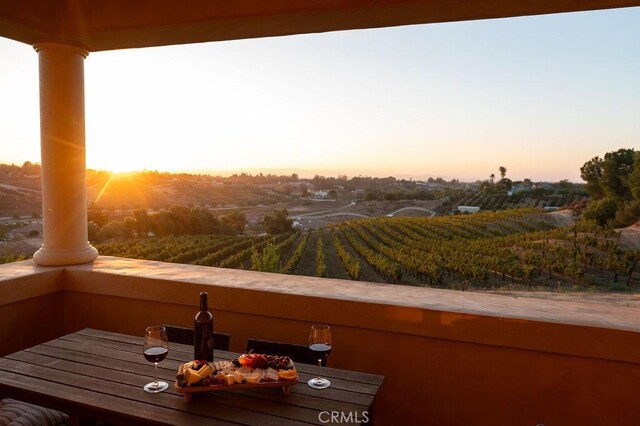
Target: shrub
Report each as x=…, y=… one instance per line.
x=602, y=211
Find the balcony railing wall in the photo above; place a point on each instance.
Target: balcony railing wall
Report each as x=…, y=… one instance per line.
x=447, y=357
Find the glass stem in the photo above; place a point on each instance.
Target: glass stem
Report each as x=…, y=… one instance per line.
x=319, y=364
x=156, y=381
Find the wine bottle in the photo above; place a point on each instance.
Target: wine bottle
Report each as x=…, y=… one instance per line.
x=203, y=327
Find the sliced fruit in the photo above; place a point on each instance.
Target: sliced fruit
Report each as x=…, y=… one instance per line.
x=288, y=374
x=259, y=361
x=246, y=359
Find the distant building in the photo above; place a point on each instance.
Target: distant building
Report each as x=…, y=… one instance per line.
x=321, y=195
x=551, y=209
x=468, y=209
x=519, y=188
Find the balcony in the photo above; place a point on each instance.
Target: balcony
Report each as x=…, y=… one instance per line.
x=448, y=357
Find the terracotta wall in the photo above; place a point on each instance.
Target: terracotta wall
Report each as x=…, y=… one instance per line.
x=31, y=309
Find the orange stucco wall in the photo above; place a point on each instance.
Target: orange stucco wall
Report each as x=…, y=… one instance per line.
x=31, y=309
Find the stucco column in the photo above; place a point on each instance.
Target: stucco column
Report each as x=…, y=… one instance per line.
x=62, y=144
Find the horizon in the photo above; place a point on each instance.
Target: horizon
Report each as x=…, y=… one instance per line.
x=540, y=95
x=302, y=174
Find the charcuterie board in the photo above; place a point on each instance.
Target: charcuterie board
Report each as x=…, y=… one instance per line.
x=200, y=376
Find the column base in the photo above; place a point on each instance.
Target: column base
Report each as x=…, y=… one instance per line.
x=48, y=257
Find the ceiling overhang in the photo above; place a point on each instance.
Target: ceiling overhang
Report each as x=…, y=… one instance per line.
x=119, y=24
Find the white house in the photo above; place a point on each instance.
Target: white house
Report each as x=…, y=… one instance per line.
x=468, y=209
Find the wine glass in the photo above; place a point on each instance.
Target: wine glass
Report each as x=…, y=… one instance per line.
x=156, y=348
x=319, y=348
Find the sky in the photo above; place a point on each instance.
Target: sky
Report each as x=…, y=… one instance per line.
x=539, y=95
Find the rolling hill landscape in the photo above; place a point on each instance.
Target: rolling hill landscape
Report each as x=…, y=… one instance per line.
x=543, y=238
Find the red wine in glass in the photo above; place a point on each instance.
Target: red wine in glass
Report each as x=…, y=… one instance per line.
x=319, y=348
x=155, y=354
x=156, y=348
x=319, y=351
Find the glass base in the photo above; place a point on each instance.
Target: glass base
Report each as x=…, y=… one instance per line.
x=154, y=387
x=319, y=383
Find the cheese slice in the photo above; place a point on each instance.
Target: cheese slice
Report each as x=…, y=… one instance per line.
x=245, y=369
x=252, y=377
x=272, y=375
x=193, y=376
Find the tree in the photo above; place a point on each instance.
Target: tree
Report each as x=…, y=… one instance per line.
x=634, y=177
x=492, y=177
x=390, y=196
x=278, y=222
x=504, y=183
x=609, y=176
x=503, y=172
x=142, y=223
x=235, y=221
x=614, y=181
x=116, y=229
x=97, y=215
x=591, y=172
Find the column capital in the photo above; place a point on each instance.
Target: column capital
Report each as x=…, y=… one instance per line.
x=61, y=45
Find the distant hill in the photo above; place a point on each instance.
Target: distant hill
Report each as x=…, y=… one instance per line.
x=20, y=190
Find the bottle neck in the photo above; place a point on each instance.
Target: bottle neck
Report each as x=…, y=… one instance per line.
x=203, y=302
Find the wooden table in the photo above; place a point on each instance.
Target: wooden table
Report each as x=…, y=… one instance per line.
x=99, y=375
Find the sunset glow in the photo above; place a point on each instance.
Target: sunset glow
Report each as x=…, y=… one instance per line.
x=540, y=95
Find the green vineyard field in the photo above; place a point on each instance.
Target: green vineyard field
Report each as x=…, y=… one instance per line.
x=519, y=200
x=487, y=250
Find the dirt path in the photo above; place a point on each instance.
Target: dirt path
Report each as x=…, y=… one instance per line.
x=630, y=238
x=561, y=218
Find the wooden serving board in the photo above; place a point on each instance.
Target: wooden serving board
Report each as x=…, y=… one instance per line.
x=188, y=390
